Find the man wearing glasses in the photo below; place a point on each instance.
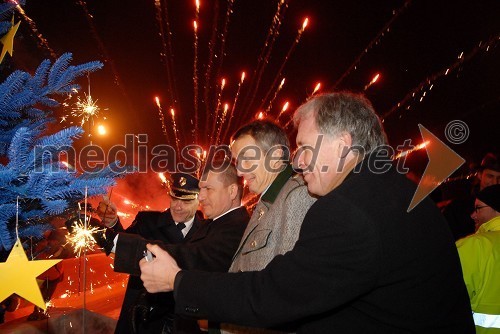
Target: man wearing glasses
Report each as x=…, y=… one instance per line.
x=480, y=258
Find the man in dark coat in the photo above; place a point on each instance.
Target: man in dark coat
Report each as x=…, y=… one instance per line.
x=362, y=263
x=213, y=245
x=173, y=226
x=458, y=211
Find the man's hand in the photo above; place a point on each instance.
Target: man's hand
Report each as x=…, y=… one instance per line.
x=107, y=212
x=158, y=275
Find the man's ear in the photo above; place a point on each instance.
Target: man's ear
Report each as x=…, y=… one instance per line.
x=344, y=144
x=277, y=155
x=233, y=191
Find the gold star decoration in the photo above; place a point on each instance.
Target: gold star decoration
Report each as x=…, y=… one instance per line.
x=8, y=40
x=18, y=275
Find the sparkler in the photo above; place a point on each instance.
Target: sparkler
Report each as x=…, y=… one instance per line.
x=82, y=237
x=86, y=108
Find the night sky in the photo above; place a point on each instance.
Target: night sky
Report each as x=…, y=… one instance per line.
x=424, y=39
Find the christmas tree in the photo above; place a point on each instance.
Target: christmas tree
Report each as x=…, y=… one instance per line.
x=35, y=185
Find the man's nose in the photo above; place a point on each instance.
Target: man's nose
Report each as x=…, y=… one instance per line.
x=201, y=196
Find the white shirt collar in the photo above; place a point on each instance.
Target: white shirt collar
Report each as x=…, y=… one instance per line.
x=188, y=224
x=227, y=212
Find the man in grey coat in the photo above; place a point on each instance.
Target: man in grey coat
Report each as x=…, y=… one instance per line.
x=261, y=150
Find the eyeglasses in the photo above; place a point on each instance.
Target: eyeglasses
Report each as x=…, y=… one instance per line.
x=477, y=208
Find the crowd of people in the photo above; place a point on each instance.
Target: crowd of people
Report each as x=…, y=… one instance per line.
x=330, y=245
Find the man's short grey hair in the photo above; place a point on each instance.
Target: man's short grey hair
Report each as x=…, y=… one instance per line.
x=267, y=135
x=345, y=112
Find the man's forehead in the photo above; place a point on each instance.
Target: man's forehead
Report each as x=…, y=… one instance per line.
x=307, y=127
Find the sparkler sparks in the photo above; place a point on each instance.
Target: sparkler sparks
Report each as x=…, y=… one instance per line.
x=85, y=108
x=82, y=238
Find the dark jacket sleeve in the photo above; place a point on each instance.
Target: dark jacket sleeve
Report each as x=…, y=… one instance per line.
x=129, y=251
x=211, y=248
x=302, y=276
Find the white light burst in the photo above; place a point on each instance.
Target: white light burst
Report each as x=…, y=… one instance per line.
x=85, y=108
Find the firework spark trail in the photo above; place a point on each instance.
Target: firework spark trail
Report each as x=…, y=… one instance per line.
x=42, y=42
x=375, y=41
x=176, y=132
x=374, y=80
x=167, y=53
x=107, y=59
x=316, y=88
x=195, y=77
x=461, y=59
x=290, y=51
x=264, y=56
x=195, y=70
x=223, y=119
x=288, y=123
x=231, y=113
x=285, y=108
x=219, y=97
x=225, y=28
x=162, y=119
x=270, y=105
x=165, y=50
x=208, y=72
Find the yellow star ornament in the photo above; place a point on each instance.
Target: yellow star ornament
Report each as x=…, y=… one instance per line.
x=18, y=275
x=8, y=40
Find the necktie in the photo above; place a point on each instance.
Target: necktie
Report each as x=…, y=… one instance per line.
x=181, y=226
